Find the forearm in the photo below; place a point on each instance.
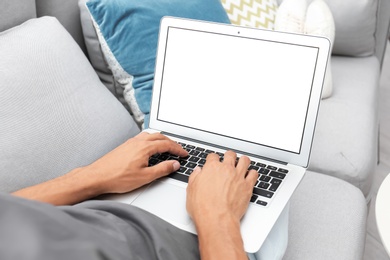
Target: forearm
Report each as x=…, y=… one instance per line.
x=220, y=239
x=71, y=188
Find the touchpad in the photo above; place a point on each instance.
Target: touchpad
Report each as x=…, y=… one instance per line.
x=166, y=201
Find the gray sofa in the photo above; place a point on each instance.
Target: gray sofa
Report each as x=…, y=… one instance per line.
x=55, y=117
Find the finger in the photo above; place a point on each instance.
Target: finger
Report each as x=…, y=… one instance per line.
x=252, y=177
x=163, y=169
x=212, y=157
x=151, y=136
x=195, y=173
x=230, y=158
x=162, y=146
x=243, y=164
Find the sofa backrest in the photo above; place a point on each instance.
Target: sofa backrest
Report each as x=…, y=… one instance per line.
x=362, y=26
x=67, y=12
x=15, y=12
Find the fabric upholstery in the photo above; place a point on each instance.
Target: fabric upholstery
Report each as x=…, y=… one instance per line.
x=355, y=26
x=251, y=13
x=327, y=220
x=345, y=140
x=15, y=12
x=55, y=113
x=95, y=53
x=355, y=22
x=67, y=12
x=382, y=32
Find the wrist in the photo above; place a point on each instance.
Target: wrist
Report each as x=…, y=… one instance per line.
x=220, y=237
x=89, y=183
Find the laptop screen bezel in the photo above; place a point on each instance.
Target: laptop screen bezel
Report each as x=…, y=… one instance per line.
x=302, y=157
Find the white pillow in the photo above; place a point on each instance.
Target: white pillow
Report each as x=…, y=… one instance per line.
x=291, y=16
x=298, y=16
x=319, y=21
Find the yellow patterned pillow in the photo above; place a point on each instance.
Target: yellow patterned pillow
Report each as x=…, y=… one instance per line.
x=251, y=13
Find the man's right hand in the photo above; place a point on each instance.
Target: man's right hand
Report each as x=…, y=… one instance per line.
x=217, y=198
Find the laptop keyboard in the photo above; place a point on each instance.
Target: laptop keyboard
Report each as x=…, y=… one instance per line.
x=270, y=177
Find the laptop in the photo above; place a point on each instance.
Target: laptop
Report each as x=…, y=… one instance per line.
x=221, y=87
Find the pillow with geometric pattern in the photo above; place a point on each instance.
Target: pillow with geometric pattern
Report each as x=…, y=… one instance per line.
x=251, y=13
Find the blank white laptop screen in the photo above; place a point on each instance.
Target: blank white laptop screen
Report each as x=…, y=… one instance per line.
x=264, y=87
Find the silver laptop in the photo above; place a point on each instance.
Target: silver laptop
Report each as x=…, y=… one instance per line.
x=220, y=87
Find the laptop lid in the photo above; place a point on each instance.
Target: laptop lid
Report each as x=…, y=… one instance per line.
x=254, y=91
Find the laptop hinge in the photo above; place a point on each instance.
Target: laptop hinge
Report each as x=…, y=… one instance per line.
x=224, y=148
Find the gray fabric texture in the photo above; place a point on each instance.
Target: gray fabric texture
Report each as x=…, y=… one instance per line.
x=15, y=12
x=67, y=12
x=55, y=113
x=383, y=29
x=93, y=230
x=96, y=56
x=346, y=136
x=327, y=220
x=355, y=22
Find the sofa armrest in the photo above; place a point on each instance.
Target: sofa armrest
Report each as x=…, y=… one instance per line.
x=383, y=25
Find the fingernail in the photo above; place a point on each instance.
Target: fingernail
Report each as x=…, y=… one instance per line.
x=197, y=168
x=176, y=166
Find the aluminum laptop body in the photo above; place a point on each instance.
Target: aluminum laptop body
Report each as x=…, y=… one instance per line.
x=224, y=87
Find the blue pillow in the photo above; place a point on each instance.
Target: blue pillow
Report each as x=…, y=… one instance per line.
x=130, y=30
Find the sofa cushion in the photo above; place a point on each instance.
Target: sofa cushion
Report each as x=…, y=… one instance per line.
x=327, y=220
x=15, y=12
x=253, y=13
x=355, y=22
x=129, y=33
x=67, y=13
x=346, y=137
x=55, y=113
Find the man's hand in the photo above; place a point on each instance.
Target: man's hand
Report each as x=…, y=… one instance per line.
x=122, y=170
x=217, y=198
x=126, y=167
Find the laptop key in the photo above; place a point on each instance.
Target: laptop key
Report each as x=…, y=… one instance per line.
x=195, y=153
x=203, y=155
x=261, y=165
x=182, y=169
x=254, y=198
x=189, y=171
x=265, y=178
x=182, y=162
x=178, y=176
x=194, y=159
x=274, y=187
x=191, y=165
x=264, y=171
x=263, y=193
x=262, y=203
x=153, y=161
x=282, y=170
x=163, y=156
x=263, y=185
x=278, y=175
x=272, y=168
